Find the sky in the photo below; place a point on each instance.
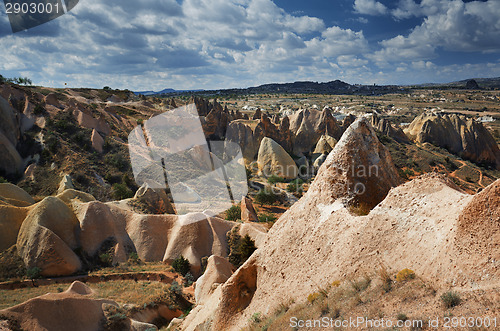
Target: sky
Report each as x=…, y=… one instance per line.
x=210, y=44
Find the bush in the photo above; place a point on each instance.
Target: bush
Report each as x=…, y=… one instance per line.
x=39, y=110
x=33, y=273
x=239, y=249
x=265, y=196
x=313, y=297
x=175, y=288
x=121, y=191
x=273, y=179
x=188, y=279
x=405, y=274
x=233, y=213
x=181, y=265
x=265, y=217
x=450, y=299
x=402, y=317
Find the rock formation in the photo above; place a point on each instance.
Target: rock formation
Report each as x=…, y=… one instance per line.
x=274, y=160
x=359, y=168
x=383, y=125
x=97, y=141
x=74, y=309
x=458, y=134
x=415, y=227
x=218, y=270
x=47, y=238
x=10, y=162
x=248, y=213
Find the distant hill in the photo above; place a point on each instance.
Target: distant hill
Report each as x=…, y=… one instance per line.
x=164, y=91
x=483, y=83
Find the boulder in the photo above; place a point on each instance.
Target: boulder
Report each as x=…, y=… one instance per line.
x=155, y=198
x=29, y=173
x=15, y=195
x=218, y=270
x=11, y=218
x=74, y=309
x=272, y=159
x=248, y=213
x=47, y=238
x=97, y=141
x=319, y=161
x=325, y=145
x=65, y=184
x=458, y=134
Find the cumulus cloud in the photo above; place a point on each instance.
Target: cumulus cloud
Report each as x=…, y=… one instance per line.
x=221, y=42
x=449, y=25
x=369, y=7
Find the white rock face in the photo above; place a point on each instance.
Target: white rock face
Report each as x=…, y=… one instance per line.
x=274, y=160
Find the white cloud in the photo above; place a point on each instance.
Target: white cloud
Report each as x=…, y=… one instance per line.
x=451, y=25
x=369, y=7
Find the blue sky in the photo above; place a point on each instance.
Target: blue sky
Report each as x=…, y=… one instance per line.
x=209, y=44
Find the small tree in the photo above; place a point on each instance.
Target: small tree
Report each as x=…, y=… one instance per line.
x=233, y=213
x=181, y=265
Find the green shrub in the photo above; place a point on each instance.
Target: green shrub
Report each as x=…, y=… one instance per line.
x=267, y=217
x=175, y=288
x=402, y=317
x=450, y=299
x=33, y=273
x=273, y=179
x=181, y=265
x=39, y=110
x=188, y=279
x=239, y=249
x=121, y=191
x=233, y=213
x=265, y=196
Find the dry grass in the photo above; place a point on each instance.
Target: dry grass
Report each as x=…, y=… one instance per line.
x=123, y=291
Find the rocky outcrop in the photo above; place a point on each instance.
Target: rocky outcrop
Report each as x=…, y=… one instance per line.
x=257, y=115
x=155, y=199
x=359, y=169
x=458, y=134
x=383, y=126
x=216, y=121
x=88, y=121
x=325, y=145
x=97, y=141
x=10, y=162
x=309, y=125
x=240, y=132
x=218, y=270
x=274, y=160
x=74, y=309
x=65, y=184
x=415, y=227
x=248, y=213
x=47, y=238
